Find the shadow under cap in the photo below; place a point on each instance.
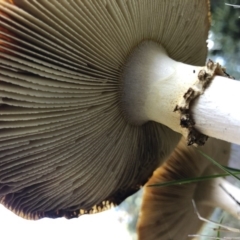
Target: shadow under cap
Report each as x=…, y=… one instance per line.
x=66, y=148
x=167, y=212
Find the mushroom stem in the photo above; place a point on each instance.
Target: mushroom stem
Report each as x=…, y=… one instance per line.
x=222, y=194
x=216, y=113
x=153, y=84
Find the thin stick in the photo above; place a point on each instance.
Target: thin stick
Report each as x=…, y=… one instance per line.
x=231, y=229
x=232, y=5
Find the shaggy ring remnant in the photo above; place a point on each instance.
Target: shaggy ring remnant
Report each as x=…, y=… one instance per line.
x=205, y=76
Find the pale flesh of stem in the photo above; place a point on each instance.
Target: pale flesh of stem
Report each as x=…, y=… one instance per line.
x=153, y=84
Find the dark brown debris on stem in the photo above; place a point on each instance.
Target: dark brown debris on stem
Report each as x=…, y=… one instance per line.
x=205, y=76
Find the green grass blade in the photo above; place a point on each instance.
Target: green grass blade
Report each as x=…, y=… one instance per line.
x=229, y=172
x=191, y=180
x=232, y=169
x=218, y=165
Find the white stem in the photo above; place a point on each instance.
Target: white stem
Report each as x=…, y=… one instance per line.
x=216, y=112
x=153, y=84
x=220, y=193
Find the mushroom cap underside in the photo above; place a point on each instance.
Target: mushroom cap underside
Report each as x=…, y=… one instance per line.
x=66, y=147
x=167, y=212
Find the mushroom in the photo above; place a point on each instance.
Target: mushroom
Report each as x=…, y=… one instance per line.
x=167, y=212
x=84, y=119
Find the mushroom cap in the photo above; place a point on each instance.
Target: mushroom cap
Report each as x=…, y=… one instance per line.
x=167, y=212
x=66, y=146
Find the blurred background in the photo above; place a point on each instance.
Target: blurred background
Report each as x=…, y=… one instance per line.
x=120, y=223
